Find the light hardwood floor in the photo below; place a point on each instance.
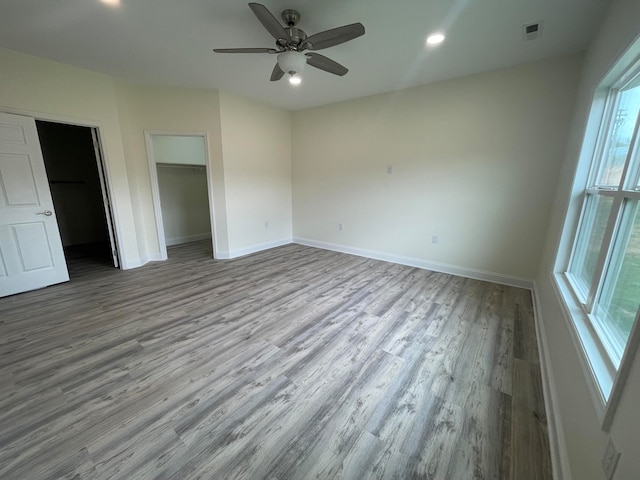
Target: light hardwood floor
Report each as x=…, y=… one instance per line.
x=295, y=363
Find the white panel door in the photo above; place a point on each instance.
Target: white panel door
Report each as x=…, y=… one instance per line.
x=31, y=254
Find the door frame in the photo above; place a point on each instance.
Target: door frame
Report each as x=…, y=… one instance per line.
x=155, y=188
x=102, y=162
x=107, y=203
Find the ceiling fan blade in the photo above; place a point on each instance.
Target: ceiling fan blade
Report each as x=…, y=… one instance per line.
x=277, y=73
x=245, y=50
x=270, y=22
x=326, y=64
x=335, y=36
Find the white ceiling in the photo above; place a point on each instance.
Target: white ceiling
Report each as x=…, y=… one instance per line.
x=170, y=42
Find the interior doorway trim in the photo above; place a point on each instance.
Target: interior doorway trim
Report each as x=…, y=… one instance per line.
x=103, y=162
x=107, y=202
x=155, y=189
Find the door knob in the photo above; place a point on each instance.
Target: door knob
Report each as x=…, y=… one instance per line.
x=46, y=213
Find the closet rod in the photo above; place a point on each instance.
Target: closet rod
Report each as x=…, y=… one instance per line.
x=179, y=165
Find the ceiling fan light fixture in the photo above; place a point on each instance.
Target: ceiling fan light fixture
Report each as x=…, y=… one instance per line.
x=292, y=62
x=435, y=39
x=295, y=80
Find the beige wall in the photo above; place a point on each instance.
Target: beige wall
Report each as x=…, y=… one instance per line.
x=474, y=160
x=53, y=91
x=256, y=145
x=584, y=438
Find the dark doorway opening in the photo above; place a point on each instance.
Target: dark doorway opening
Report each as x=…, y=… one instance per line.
x=76, y=179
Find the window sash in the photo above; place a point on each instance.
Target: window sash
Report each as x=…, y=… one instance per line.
x=584, y=236
x=604, y=142
x=613, y=341
x=590, y=291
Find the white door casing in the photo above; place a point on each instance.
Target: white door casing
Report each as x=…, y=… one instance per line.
x=155, y=189
x=105, y=197
x=31, y=254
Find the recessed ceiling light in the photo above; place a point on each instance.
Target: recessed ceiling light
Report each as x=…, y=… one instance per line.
x=435, y=39
x=111, y=3
x=295, y=80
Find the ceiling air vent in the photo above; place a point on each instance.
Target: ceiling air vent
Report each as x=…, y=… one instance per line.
x=531, y=31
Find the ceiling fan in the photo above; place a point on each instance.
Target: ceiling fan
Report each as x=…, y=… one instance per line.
x=291, y=42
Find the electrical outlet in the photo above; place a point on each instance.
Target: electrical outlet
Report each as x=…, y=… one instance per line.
x=340, y=227
x=435, y=238
x=610, y=460
x=389, y=169
x=266, y=224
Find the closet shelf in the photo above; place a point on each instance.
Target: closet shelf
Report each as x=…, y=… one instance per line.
x=179, y=165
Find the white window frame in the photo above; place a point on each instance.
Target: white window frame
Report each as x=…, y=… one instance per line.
x=605, y=371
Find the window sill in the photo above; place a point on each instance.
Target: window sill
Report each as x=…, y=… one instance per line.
x=597, y=368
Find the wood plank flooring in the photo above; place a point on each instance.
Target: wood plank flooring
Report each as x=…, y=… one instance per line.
x=295, y=363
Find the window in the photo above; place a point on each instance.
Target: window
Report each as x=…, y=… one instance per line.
x=604, y=266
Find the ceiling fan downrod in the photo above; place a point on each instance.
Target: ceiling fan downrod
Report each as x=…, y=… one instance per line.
x=291, y=18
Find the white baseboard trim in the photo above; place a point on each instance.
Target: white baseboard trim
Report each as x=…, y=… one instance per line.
x=156, y=257
x=187, y=239
x=241, y=252
x=557, y=443
x=129, y=264
x=420, y=263
x=221, y=254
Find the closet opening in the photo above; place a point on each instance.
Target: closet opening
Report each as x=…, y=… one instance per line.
x=77, y=179
x=182, y=194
